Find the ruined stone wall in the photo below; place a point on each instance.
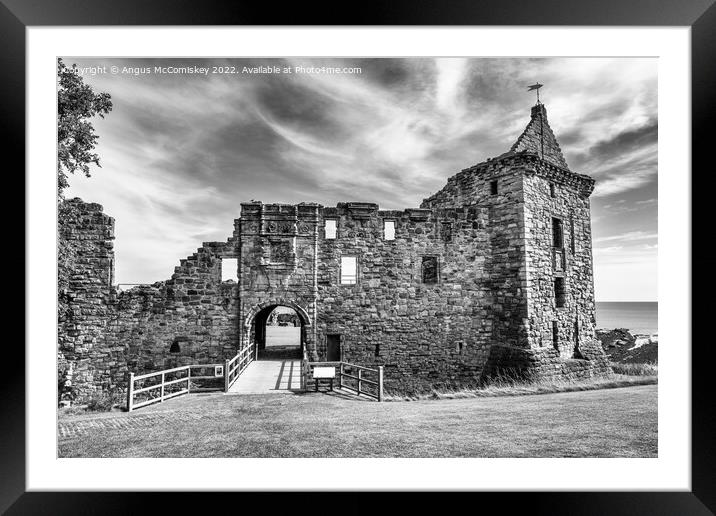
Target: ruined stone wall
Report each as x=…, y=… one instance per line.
x=191, y=318
x=425, y=334
x=547, y=197
x=497, y=185
x=103, y=335
x=85, y=276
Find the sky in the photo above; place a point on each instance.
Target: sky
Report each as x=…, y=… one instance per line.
x=180, y=151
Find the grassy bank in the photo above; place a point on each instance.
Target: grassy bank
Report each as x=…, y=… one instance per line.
x=506, y=386
x=648, y=369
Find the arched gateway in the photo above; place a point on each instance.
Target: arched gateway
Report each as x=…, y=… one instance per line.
x=278, y=329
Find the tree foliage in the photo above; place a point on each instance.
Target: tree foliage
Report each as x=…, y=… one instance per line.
x=76, y=104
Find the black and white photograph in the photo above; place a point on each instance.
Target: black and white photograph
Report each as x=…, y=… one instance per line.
x=357, y=257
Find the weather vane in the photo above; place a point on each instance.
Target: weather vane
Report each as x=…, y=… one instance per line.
x=536, y=86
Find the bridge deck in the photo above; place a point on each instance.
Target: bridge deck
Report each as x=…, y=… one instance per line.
x=267, y=376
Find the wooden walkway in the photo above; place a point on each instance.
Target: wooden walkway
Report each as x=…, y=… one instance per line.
x=269, y=376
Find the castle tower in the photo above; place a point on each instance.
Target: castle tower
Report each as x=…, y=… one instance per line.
x=541, y=275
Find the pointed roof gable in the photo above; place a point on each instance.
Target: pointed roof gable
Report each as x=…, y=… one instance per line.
x=539, y=139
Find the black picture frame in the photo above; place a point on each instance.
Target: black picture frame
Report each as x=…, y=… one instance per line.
x=699, y=15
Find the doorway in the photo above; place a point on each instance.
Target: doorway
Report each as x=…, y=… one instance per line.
x=333, y=348
x=279, y=333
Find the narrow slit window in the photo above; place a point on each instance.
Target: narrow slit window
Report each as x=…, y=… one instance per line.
x=389, y=229
x=555, y=335
x=330, y=228
x=349, y=270
x=576, y=333
x=552, y=192
x=557, y=233
x=229, y=269
x=493, y=187
x=572, y=242
x=559, y=292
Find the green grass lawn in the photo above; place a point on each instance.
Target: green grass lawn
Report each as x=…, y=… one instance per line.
x=619, y=422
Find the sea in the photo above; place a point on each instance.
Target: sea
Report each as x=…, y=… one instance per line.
x=637, y=317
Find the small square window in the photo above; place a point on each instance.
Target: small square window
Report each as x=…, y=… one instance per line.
x=331, y=228
x=349, y=270
x=493, y=187
x=389, y=229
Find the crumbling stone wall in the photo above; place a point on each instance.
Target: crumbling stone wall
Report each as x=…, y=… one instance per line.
x=425, y=334
x=192, y=318
x=104, y=334
x=85, y=277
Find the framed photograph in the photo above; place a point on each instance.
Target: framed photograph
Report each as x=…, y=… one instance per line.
x=433, y=251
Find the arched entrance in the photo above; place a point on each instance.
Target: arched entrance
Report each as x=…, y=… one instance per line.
x=279, y=332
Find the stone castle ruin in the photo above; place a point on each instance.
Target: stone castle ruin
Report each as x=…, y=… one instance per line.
x=493, y=273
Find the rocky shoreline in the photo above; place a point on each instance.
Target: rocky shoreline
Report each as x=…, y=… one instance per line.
x=624, y=347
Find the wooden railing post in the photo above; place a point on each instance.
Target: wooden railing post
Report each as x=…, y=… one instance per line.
x=360, y=383
x=130, y=392
x=340, y=376
x=161, y=397
x=380, y=383
x=188, y=379
x=226, y=375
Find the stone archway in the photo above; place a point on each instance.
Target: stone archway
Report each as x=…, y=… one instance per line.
x=276, y=342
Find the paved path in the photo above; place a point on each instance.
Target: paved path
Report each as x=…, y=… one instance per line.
x=269, y=376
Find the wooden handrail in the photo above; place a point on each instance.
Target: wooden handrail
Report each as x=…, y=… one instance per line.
x=236, y=365
x=361, y=381
x=163, y=383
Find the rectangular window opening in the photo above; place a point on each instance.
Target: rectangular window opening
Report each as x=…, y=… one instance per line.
x=493, y=187
x=331, y=228
x=430, y=269
x=551, y=190
x=559, y=292
x=349, y=270
x=389, y=229
x=557, y=233
x=572, y=243
x=230, y=269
